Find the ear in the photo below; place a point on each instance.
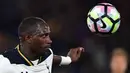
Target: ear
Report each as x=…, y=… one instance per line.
x=28, y=38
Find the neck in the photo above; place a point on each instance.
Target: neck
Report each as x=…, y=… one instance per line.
x=28, y=53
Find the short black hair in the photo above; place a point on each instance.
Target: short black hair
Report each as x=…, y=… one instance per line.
x=29, y=25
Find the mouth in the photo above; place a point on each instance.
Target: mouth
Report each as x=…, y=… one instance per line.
x=48, y=46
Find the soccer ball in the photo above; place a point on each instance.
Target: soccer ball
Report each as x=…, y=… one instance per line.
x=103, y=19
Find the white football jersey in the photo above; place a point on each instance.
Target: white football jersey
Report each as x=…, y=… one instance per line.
x=13, y=61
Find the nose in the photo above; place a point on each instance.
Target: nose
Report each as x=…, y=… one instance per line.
x=49, y=40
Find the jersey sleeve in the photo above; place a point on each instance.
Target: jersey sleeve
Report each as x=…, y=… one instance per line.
x=5, y=65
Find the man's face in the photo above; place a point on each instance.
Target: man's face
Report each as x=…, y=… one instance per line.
x=118, y=63
x=41, y=40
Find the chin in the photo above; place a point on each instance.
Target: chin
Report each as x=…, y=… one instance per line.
x=45, y=48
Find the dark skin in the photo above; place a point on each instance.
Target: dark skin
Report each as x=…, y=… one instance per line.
x=32, y=46
x=74, y=54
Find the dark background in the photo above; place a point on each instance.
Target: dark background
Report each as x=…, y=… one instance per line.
x=67, y=19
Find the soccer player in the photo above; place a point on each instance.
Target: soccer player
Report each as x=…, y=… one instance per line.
x=33, y=54
x=119, y=61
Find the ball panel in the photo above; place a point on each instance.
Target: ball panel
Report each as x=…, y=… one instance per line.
x=106, y=4
x=97, y=12
x=104, y=25
x=113, y=13
x=91, y=25
x=99, y=26
x=116, y=27
x=107, y=21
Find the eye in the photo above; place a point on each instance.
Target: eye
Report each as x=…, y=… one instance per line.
x=44, y=35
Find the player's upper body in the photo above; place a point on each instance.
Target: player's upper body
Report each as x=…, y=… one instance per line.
x=13, y=61
x=33, y=55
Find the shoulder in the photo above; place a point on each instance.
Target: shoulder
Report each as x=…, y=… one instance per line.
x=10, y=54
x=7, y=55
x=4, y=61
x=14, y=57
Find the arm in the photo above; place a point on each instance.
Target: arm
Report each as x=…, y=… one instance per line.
x=56, y=59
x=72, y=56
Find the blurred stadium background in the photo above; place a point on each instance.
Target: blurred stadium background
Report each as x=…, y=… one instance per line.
x=67, y=19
